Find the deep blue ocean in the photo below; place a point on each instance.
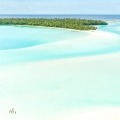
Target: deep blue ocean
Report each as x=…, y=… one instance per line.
x=101, y=17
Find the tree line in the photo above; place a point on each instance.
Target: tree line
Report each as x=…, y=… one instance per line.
x=78, y=24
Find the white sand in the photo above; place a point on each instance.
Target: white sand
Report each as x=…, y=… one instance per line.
x=88, y=69
x=101, y=34
x=100, y=113
x=59, y=82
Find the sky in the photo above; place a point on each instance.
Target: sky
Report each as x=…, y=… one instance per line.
x=59, y=6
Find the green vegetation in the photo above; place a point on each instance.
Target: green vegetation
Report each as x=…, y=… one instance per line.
x=78, y=24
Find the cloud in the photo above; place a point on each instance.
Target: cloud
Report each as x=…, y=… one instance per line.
x=59, y=7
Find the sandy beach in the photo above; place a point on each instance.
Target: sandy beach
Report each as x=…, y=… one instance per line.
x=73, y=88
x=58, y=79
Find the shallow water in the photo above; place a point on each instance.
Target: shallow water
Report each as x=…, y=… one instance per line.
x=39, y=85
x=21, y=44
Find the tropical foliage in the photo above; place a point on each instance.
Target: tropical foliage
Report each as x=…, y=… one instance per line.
x=78, y=24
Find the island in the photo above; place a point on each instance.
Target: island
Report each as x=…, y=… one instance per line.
x=77, y=24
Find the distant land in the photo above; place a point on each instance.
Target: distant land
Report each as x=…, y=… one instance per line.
x=77, y=24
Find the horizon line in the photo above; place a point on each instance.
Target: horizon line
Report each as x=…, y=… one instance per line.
x=56, y=14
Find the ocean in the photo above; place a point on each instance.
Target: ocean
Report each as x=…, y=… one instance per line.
x=98, y=17
x=60, y=74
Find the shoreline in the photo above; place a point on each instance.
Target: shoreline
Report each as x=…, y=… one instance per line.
x=63, y=70
x=74, y=30
x=78, y=88
x=50, y=28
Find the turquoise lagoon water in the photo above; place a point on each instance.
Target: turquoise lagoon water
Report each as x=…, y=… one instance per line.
x=20, y=43
x=48, y=90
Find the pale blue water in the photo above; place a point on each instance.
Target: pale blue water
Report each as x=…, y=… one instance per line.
x=46, y=91
x=21, y=44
